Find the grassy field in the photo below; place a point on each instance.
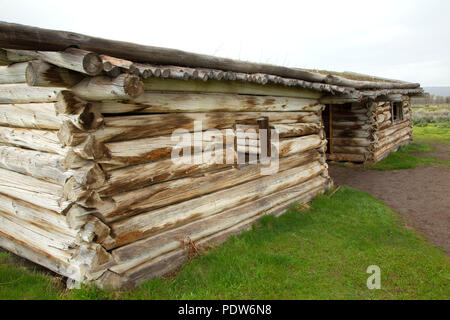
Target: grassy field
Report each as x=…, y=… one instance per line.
x=319, y=254
x=438, y=133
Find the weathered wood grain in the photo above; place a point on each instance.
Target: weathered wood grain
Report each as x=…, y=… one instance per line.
x=138, y=252
x=143, y=225
x=174, y=191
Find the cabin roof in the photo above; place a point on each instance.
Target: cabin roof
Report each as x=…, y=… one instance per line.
x=150, y=61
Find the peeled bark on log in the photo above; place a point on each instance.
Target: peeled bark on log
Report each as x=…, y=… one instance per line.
x=116, y=62
x=150, y=173
x=37, y=164
x=386, y=132
x=25, y=37
x=42, y=193
x=144, y=250
x=68, y=102
x=41, y=140
x=351, y=133
x=22, y=93
x=4, y=59
x=35, y=254
x=346, y=157
x=33, y=115
x=214, y=86
x=351, y=142
x=8, y=57
x=100, y=88
x=301, y=144
x=53, y=244
x=386, y=148
x=143, y=225
x=47, y=219
x=288, y=130
x=14, y=73
x=126, y=153
x=388, y=139
x=209, y=102
x=48, y=141
x=142, y=126
x=169, y=192
x=74, y=59
x=42, y=74
x=351, y=150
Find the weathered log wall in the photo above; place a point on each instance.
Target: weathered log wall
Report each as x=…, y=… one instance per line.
x=37, y=220
x=366, y=132
x=89, y=190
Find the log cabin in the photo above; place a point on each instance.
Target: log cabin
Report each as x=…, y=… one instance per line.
x=89, y=185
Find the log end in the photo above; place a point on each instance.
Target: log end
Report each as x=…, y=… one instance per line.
x=92, y=64
x=133, y=86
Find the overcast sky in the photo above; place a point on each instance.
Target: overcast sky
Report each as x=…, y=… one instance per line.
x=407, y=40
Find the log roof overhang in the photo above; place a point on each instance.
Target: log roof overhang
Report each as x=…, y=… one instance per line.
x=149, y=61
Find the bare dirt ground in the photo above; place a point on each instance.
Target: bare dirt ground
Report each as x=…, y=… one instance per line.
x=421, y=195
x=441, y=152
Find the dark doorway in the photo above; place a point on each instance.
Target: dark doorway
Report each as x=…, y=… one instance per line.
x=327, y=120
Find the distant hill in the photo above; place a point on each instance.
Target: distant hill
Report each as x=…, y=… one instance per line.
x=438, y=91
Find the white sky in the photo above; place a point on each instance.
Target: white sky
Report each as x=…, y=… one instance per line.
x=399, y=39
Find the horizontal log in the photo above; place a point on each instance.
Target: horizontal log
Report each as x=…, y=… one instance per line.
x=142, y=126
x=392, y=129
x=354, y=142
x=8, y=57
x=189, y=102
x=14, y=73
x=22, y=93
x=44, y=194
x=170, y=261
x=17, y=36
x=350, y=133
x=42, y=74
x=74, y=59
x=363, y=127
x=392, y=137
x=149, y=173
x=379, y=153
x=169, y=192
x=41, y=140
x=333, y=99
x=40, y=165
x=48, y=141
x=31, y=213
x=136, y=253
x=34, y=253
x=346, y=157
x=99, y=88
x=141, y=226
x=31, y=115
x=230, y=87
x=349, y=149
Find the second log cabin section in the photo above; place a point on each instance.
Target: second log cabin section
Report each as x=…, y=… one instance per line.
x=88, y=186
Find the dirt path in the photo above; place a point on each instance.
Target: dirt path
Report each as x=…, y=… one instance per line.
x=441, y=152
x=421, y=195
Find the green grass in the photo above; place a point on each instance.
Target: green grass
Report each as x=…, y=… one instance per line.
x=433, y=132
x=19, y=280
x=404, y=158
x=319, y=254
